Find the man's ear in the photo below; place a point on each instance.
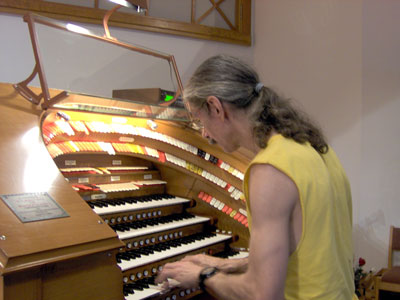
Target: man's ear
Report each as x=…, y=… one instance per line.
x=215, y=107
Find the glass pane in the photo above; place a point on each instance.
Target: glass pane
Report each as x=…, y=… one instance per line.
x=90, y=65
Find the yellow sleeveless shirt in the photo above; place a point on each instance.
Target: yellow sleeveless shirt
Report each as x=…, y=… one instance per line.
x=321, y=266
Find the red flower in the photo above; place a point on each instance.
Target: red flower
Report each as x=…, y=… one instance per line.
x=361, y=261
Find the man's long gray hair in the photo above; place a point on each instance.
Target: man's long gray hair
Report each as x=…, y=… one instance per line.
x=235, y=82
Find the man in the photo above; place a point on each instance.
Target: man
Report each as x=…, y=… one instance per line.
x=298, y=196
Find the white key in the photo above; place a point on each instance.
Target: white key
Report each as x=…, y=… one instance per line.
x=153, y=290
x=241, y=254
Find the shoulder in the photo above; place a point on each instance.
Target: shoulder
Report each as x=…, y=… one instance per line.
x=284, y=154
x=271, y=191
x=268, y=176
x=280, y=147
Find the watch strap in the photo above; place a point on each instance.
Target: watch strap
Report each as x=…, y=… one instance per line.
x=206, y=273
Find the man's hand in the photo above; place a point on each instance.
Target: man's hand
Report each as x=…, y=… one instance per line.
x=184, y=272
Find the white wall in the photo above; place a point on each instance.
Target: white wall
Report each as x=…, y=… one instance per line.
x=340, y=61
x=379, y=203
x=17, y=62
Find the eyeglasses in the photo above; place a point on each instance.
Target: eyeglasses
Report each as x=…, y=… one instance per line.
x=195, y=123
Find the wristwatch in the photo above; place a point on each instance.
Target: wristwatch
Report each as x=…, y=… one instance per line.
x=206, y=273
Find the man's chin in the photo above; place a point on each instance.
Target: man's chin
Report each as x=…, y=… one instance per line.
x=214, y=142
x=226, y=150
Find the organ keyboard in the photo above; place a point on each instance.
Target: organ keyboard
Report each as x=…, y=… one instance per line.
x=141, y=289
x=130, y=231
x=132, y=259
x=129, y=205
x=160, y=195
x=145, y=288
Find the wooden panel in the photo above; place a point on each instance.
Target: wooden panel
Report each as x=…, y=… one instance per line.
x=100, y=160
x=179, y=183
x=110, y=178
x=89, y=277
x=23, y=285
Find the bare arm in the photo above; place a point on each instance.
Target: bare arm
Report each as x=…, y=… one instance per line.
x=225, y=265
x=273, y=196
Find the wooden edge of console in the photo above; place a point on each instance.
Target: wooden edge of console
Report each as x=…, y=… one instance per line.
x=39, y=259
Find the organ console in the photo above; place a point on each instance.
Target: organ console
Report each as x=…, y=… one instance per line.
x=137, y=192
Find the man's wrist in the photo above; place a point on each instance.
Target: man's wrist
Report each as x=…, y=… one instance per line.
x=205, y=274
